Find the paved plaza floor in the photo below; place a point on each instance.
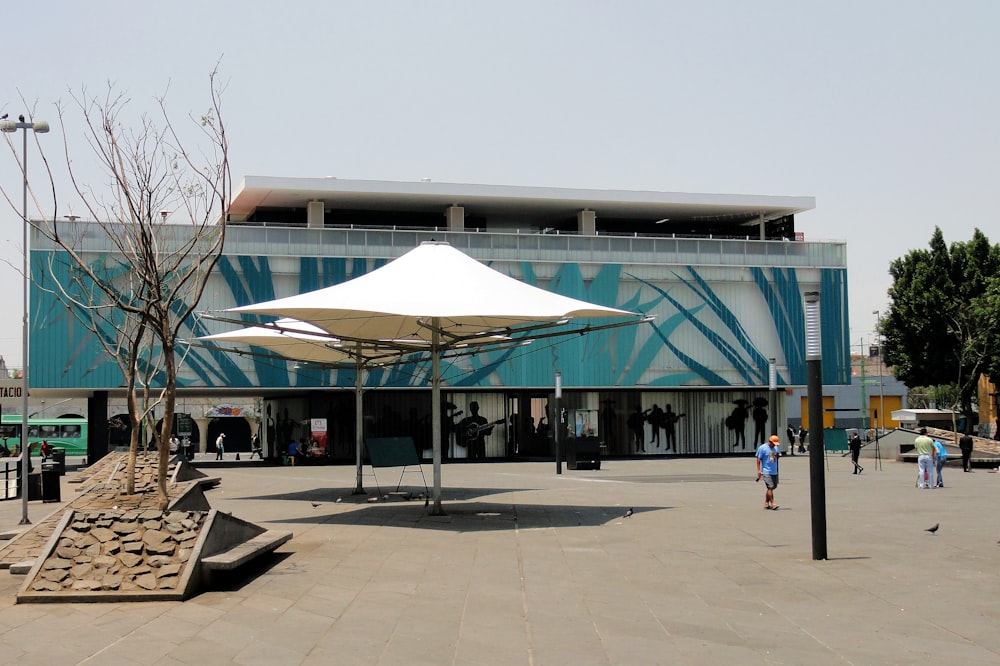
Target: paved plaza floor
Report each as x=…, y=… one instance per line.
x=533, y=568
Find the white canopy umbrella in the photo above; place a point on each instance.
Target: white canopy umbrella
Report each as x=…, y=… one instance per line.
x=291, y=339
x=433, y=299
x=300, y=341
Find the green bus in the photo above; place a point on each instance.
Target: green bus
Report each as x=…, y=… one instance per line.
x=62, y=432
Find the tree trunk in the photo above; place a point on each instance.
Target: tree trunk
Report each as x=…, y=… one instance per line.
x=133, y=444
x=167, y=425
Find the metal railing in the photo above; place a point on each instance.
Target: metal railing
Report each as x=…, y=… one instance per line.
x=508, y=245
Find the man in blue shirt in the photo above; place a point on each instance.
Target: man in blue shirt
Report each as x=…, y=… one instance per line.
x=940, y=458
x=767, y=468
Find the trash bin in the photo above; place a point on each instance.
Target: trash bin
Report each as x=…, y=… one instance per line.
x=50, y=482
x=34, y=486
x=59, y=457
x=583, y=453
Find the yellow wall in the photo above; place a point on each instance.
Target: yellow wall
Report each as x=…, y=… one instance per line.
x=988, y=398
x=828, y=414
x=884, y=420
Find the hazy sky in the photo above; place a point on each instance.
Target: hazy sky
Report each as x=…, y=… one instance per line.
x=887, y=112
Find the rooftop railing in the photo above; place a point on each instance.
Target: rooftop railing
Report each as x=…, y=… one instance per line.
x=504, y=245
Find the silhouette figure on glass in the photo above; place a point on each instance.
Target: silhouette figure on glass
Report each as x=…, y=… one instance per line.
x=654, y=415
x=635, y=429
x=737, y=422
x=759, y=421
x=670, y=419
x=449, y=429
x=609, y=419
x=272, y=435
x=472, y=430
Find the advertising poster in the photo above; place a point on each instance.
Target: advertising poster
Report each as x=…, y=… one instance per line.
x=317, y=444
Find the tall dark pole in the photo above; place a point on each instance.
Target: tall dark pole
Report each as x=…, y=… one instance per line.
x=881, y=385
x=25, y=445
x=557, y=423
x=38, y=127
x=772, y=385
x=814, y=393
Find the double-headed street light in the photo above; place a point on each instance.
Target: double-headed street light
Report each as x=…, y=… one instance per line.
x=39, y=127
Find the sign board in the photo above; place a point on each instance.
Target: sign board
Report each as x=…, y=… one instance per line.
x=185, y=427
x=224, y=410
x=11, y=389
x=800, y=236
x=317, y=447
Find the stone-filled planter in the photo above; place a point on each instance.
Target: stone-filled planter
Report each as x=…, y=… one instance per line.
x=132, y=552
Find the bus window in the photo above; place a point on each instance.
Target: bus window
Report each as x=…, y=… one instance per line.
x=71, y=432
x=10, y=431
x=47, y=431
x=32, y=432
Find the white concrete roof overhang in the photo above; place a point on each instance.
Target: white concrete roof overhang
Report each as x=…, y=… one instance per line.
x=278, y=192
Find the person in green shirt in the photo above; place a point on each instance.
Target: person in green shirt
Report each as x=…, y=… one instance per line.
x=924, y=446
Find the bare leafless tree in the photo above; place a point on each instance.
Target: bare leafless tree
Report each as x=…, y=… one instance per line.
x=136, y=297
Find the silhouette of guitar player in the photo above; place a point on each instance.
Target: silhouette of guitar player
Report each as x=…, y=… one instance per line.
x=472, y=430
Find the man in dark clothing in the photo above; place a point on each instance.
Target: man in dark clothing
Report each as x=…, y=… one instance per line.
x=965, y=443
x=790, y=434
x=855, y=446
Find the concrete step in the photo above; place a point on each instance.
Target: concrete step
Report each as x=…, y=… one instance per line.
x=246, y=551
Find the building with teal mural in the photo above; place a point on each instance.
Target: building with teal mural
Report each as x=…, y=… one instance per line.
x=722, y=274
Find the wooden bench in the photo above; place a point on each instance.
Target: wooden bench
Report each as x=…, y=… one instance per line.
x=246, y=551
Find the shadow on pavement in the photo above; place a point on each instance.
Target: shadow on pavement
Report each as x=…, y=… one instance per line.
x=468, y=517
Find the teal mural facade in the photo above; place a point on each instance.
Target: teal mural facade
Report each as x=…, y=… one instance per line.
x=715, y=327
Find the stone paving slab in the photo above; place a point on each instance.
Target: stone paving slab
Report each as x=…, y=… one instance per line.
x=533, y=568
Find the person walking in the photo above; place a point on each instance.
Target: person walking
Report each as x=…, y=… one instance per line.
x=803, y=435
x=767, y=468
x=255, y=446
x=940, y=458
x=924, y=447
x=855, y=445
x=965, y=443
x=220, y=446
x=790, y=434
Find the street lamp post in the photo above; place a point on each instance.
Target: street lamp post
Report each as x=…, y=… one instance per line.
x=39, y=127
x=817, y=447
x=864, y=394
x=558, y=423
x=772, y=388
x=881, y=389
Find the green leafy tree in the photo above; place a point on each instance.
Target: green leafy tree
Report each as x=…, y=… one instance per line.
x=940, y=328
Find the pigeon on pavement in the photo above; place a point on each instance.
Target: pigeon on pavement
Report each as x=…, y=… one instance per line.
x=628, y=514
x=934, y=529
